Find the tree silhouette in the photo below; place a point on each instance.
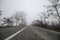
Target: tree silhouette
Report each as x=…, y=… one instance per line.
x=7, y=21
x=20, y=18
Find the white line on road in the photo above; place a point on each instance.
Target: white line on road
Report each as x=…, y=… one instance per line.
x=8, y=38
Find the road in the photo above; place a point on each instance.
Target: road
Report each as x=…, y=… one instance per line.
x=36, y=33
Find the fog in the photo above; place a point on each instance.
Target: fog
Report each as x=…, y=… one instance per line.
x=31, y=7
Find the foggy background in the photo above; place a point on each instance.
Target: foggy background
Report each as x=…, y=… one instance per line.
x=31, y=7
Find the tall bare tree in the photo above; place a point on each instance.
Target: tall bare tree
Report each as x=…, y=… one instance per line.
x=53, y=9
x=19, y=17
x=0, y=14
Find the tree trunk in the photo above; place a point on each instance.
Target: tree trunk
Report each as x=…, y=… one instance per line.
x=16, y=23
x=57, y=13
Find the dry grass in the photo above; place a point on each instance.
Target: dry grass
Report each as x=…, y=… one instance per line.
x=7, y=31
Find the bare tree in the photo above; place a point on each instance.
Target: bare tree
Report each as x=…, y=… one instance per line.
x=53, y=9
x=19, y=17
x=0, y=12
x=0, y=17
x=7, y=21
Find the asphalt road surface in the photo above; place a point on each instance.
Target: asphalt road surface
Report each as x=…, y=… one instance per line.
x=36, y=33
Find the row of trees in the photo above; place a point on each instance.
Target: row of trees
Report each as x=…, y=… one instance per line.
x=50, y=18
x=17, y=19
x=52, y=12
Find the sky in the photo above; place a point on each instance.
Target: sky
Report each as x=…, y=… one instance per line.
x=31, y=7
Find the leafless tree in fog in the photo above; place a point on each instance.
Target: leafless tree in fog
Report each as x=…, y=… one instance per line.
x=7, y=21
x=19, y=17
x=0, y=12
x=53, y=9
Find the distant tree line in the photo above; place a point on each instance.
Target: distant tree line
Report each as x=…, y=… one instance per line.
x=17, y=19
x=39, y=23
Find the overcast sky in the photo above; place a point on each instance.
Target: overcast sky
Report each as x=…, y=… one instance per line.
x=31, y=7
